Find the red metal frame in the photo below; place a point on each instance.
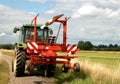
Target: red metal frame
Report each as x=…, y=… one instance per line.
x=64, y=22
x=47, y=54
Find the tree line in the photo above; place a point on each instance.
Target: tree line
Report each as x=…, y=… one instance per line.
x=83, y=45
x=87, y=45
x=7, y=46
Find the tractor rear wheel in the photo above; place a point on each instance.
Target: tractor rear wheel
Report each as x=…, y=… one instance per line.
x=19, y=63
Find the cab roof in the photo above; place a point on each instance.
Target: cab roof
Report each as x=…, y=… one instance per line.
x=28, y=25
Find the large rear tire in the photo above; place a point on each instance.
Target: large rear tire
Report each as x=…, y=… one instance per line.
x=19, y=63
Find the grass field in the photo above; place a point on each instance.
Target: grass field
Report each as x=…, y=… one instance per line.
x=103, y=67
x=108, y=59
x=96, y=68
x=4, y=72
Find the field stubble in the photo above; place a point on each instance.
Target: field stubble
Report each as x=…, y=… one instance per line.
x=4, y=71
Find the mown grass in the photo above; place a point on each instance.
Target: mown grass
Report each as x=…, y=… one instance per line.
x=109, y=59
x=7, y=52
x=4, y=72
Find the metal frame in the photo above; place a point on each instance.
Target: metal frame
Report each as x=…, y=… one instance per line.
x=47, y=54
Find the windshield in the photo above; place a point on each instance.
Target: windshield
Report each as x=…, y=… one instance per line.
x=41, y=35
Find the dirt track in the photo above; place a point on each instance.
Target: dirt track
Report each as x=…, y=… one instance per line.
x=26, y=79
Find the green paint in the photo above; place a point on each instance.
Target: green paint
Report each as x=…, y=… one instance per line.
x=23, y=45
x=28, y=25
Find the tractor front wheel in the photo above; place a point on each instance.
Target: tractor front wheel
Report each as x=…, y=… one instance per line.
x=19, y=63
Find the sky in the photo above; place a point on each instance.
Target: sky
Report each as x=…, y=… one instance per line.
x=97, y=21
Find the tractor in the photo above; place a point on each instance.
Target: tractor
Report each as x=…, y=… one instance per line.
x=39, y=51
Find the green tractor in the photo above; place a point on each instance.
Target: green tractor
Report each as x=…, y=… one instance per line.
x=37, y=49
x=26, y=33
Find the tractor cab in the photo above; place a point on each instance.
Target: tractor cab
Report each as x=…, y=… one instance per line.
x=27, y=33
x=41, y=34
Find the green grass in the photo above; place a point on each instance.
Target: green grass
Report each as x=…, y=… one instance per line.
x=4, y=72
x=109, y=59
x=103, y=67
x=72, y=77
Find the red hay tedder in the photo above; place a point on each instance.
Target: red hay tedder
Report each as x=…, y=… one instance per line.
x=38, y=49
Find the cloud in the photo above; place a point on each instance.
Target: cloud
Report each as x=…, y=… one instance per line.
x=91, y=10
x=85, y=10
x=11, y=18
x=14, y=18
x=32, y=13
x=50, y=11
x=109, y=1
x=114, y=14
x=11, y=14
x=2, y=34
x=41, y=1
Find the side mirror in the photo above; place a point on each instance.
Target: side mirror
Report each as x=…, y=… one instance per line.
x=15, y=30
x=51, y=31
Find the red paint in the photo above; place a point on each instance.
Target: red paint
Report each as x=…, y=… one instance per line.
x=45, y=52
